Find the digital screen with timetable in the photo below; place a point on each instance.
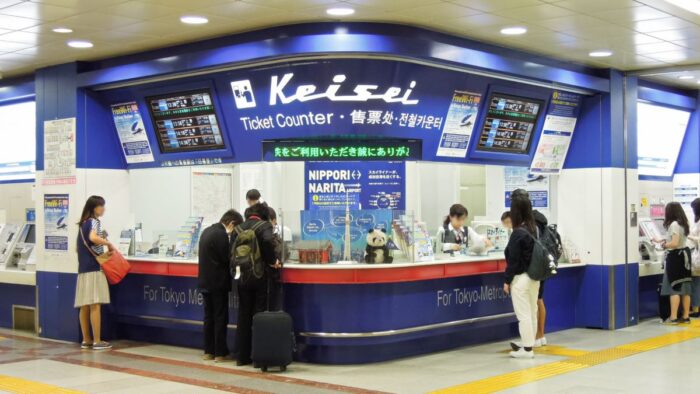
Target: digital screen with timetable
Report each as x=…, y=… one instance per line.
x=186, y=122
x=509, y=124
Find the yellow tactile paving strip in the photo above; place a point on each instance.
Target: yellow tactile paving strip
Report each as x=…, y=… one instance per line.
x=578, y=359
x=16, y=385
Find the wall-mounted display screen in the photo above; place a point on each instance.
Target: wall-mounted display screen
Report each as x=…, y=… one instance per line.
x=660, y=132
x=509, y=124
x=186, y=121
x=18, y=151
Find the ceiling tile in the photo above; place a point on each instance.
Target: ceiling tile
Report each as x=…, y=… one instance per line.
x=7, y=3
x=484, y=20
x=661, y=24
x=46, y=29
x=384, y=5
x=656, y=48
x=673, y=56
x=575, y=22
x=26, y=38
x=83, y=5
x=495, y=5
x=590, y=6
x=239, y=10
x=190, y=5
x=297, y=5
x=43, y=12
x=97, y=20
x=627, y=16
x=140, y=10
x=446, y=10
x=542, y=11
x=16, y=23
x=6, y=46
x=677, y=35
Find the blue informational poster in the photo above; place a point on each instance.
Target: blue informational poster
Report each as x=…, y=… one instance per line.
x=329, y=225
x=56, y=222
x=558, y=128
x=132, y=133
x=461, y=117
x=362, y=185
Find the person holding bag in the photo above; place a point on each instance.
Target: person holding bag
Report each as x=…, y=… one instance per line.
x=694, y=245
x=92, y=289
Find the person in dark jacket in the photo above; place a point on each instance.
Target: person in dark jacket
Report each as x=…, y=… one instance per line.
x=214, y=279
x=253, y=294
x=523, y=289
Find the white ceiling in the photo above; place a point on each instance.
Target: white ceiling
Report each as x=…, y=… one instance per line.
x=643, y=34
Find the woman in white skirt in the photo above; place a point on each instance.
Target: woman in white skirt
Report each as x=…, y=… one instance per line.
x=92, y=289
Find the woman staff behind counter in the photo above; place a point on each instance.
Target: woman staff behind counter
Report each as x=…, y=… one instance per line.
x=454, y=237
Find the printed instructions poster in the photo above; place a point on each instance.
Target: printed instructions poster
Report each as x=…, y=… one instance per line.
x=212, y=193
x=558, y=128
x=459, y=124
x=364, y=185
x=536, y=185
x=56, y=222
x=59, y=152
x=132, y=133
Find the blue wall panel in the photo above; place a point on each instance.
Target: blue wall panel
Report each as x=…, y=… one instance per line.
x=689, y=156
x=58, y=318
x=10, y=295
x=592, y=300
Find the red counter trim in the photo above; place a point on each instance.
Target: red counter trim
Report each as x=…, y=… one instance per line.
x=341, y=276
x=389, y=275
x=163, y=268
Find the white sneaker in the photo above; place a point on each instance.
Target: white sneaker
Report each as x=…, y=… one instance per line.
x=522, y=353
x=541, y=342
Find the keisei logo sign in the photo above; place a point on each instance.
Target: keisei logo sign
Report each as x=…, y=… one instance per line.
x=284, y=91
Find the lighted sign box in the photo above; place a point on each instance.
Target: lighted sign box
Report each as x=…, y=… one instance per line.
x=18, y=151
x=660, y=133
x=510, y=123
x=340, y=150
x=186, y=121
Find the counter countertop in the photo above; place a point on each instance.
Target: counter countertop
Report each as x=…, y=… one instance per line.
x=17, y=277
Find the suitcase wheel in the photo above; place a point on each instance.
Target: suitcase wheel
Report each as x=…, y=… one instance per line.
x=264, y=368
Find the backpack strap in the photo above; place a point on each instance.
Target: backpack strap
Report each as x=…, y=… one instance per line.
x=238, y=229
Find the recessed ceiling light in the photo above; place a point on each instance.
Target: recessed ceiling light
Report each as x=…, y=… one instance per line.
x=689, y=5
x=80, y=44
x=514, y=30
x=194, y=19
x=601, y=53
x=340, y=11
x=62, y=30
x=686, y=77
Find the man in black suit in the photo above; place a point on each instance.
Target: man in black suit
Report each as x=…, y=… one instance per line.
x=215, y=283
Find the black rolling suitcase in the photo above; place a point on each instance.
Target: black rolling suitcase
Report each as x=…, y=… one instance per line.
x=664, y=305
x=273, y=339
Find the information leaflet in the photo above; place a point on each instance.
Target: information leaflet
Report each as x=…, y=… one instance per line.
x=132, y=133
x=59, y=151
x=363, y=185
x=559, y=125
x=537, y=186
x=56, y=223
x=459, y=124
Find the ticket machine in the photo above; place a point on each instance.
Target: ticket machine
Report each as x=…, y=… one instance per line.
x=8, y=239
x=22, y=256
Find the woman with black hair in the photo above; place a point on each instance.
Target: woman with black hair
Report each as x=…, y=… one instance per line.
x=677, y=281
x=694, y=244
x=522, y=288
x=453, y=235
x=92, y=289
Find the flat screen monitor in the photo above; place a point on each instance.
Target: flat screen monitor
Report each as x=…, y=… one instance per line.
x=510, y=124
x=18, y=151
x=186, y=121
x=660, y=133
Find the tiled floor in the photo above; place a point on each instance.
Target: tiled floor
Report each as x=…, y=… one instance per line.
x=141, y=368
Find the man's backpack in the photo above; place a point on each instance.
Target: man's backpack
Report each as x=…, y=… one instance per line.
x=246, y=253
x=551, y=240
x=543, y=263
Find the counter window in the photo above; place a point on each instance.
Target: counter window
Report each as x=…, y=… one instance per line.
x=18, y=159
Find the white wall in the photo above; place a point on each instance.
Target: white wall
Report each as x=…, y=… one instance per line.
x=656, y=192
x=15, y=198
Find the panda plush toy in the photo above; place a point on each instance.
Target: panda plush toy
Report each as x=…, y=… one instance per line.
x=377, y=250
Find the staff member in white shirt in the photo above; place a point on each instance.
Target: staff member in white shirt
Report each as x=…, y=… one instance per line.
x=453, y=234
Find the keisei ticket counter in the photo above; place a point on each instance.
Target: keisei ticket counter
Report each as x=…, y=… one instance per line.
x=344, y=132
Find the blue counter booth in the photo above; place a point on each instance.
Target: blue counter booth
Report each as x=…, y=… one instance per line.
x=305, y=82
